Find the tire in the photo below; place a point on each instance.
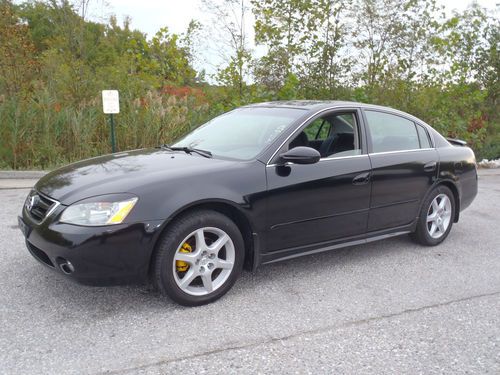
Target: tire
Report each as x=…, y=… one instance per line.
x=199, y=258
x=432, y=230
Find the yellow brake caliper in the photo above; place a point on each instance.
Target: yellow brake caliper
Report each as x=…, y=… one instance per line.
x=180, y=265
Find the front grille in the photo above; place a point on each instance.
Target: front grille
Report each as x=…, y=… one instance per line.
x=39, y=206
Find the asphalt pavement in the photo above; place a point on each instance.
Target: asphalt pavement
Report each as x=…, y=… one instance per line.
x=389, y=307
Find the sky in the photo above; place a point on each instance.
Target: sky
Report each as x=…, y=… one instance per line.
x=151, y=15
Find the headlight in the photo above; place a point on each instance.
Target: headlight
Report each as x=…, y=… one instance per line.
x=98, y=213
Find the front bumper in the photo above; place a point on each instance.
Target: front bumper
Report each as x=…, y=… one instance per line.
x=97, y=255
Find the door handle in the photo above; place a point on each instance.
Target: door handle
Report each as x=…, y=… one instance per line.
x=361, y=179
x=430, y=167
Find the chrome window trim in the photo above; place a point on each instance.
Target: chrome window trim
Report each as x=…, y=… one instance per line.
x=342, y=157
x=408, y=117
x=397, y=151
x=322, y=159
x=360, y=155
x=339, y=106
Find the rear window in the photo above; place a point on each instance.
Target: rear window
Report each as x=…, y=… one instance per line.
x=423, y=137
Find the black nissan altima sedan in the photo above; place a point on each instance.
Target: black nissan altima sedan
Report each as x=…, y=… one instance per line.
x=260, y=184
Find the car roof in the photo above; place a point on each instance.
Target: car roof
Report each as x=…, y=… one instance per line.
x=313, y=105
x=302, y=104
x=317, y=105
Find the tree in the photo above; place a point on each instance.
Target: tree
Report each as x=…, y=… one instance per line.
x=470, y=41
x=190, y=42
x=18, y=63
x=231, y=43
x=326, y=61
x=394, y=43
x=172, y=61
x=488, y=74
x=284, y=27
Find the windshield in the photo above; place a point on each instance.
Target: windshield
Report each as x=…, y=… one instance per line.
x=242, y=133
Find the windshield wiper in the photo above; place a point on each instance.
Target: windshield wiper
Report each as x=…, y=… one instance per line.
x=188, y=150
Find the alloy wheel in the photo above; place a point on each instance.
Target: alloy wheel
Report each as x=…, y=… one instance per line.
x=203, y=261
x=439, y=216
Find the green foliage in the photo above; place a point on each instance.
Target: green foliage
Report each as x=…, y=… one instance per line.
x=403, y=54
x=281, y=25
x=18, y=62
x=290, y=89
x=54, y=65
x=229, y=37
x=170, y=60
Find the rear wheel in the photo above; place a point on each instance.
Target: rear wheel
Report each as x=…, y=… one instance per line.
x=436, y=217
x=199, y=258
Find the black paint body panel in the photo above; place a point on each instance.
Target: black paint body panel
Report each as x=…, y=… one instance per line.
x=289, y=210
x=399, y=182
x=316, y=203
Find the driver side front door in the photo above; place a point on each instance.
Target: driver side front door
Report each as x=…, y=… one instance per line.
x=313, y=206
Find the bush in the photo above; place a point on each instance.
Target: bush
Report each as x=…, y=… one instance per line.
x=43, y=133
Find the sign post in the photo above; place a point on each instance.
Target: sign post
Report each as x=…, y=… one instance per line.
x=111, y=105
x=113, y=141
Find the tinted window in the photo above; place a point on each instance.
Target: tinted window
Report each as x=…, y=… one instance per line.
x=391, y=133
x=242, y=133
x=424, y=138
x=332, y=135
x=318, y=129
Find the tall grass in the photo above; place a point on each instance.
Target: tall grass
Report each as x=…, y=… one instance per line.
x=41, y=133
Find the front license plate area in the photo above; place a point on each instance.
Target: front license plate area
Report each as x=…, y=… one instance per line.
x=25, y=228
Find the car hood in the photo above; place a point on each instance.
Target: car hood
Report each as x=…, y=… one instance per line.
x=125, y=172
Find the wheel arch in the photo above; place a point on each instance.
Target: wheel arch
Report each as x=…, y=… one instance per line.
x=230, y=210
x=456, y=196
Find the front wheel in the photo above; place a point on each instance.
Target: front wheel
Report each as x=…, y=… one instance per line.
x=199, y=258
x=436, y=217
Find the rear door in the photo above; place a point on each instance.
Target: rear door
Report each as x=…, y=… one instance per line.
x=404, y=167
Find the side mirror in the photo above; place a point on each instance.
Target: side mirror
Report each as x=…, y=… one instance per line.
x=301, y=155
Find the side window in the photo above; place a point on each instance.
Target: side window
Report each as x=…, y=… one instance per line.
x=391, y=133
x=423, y=137
x=318, y=129
x=334, y=134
